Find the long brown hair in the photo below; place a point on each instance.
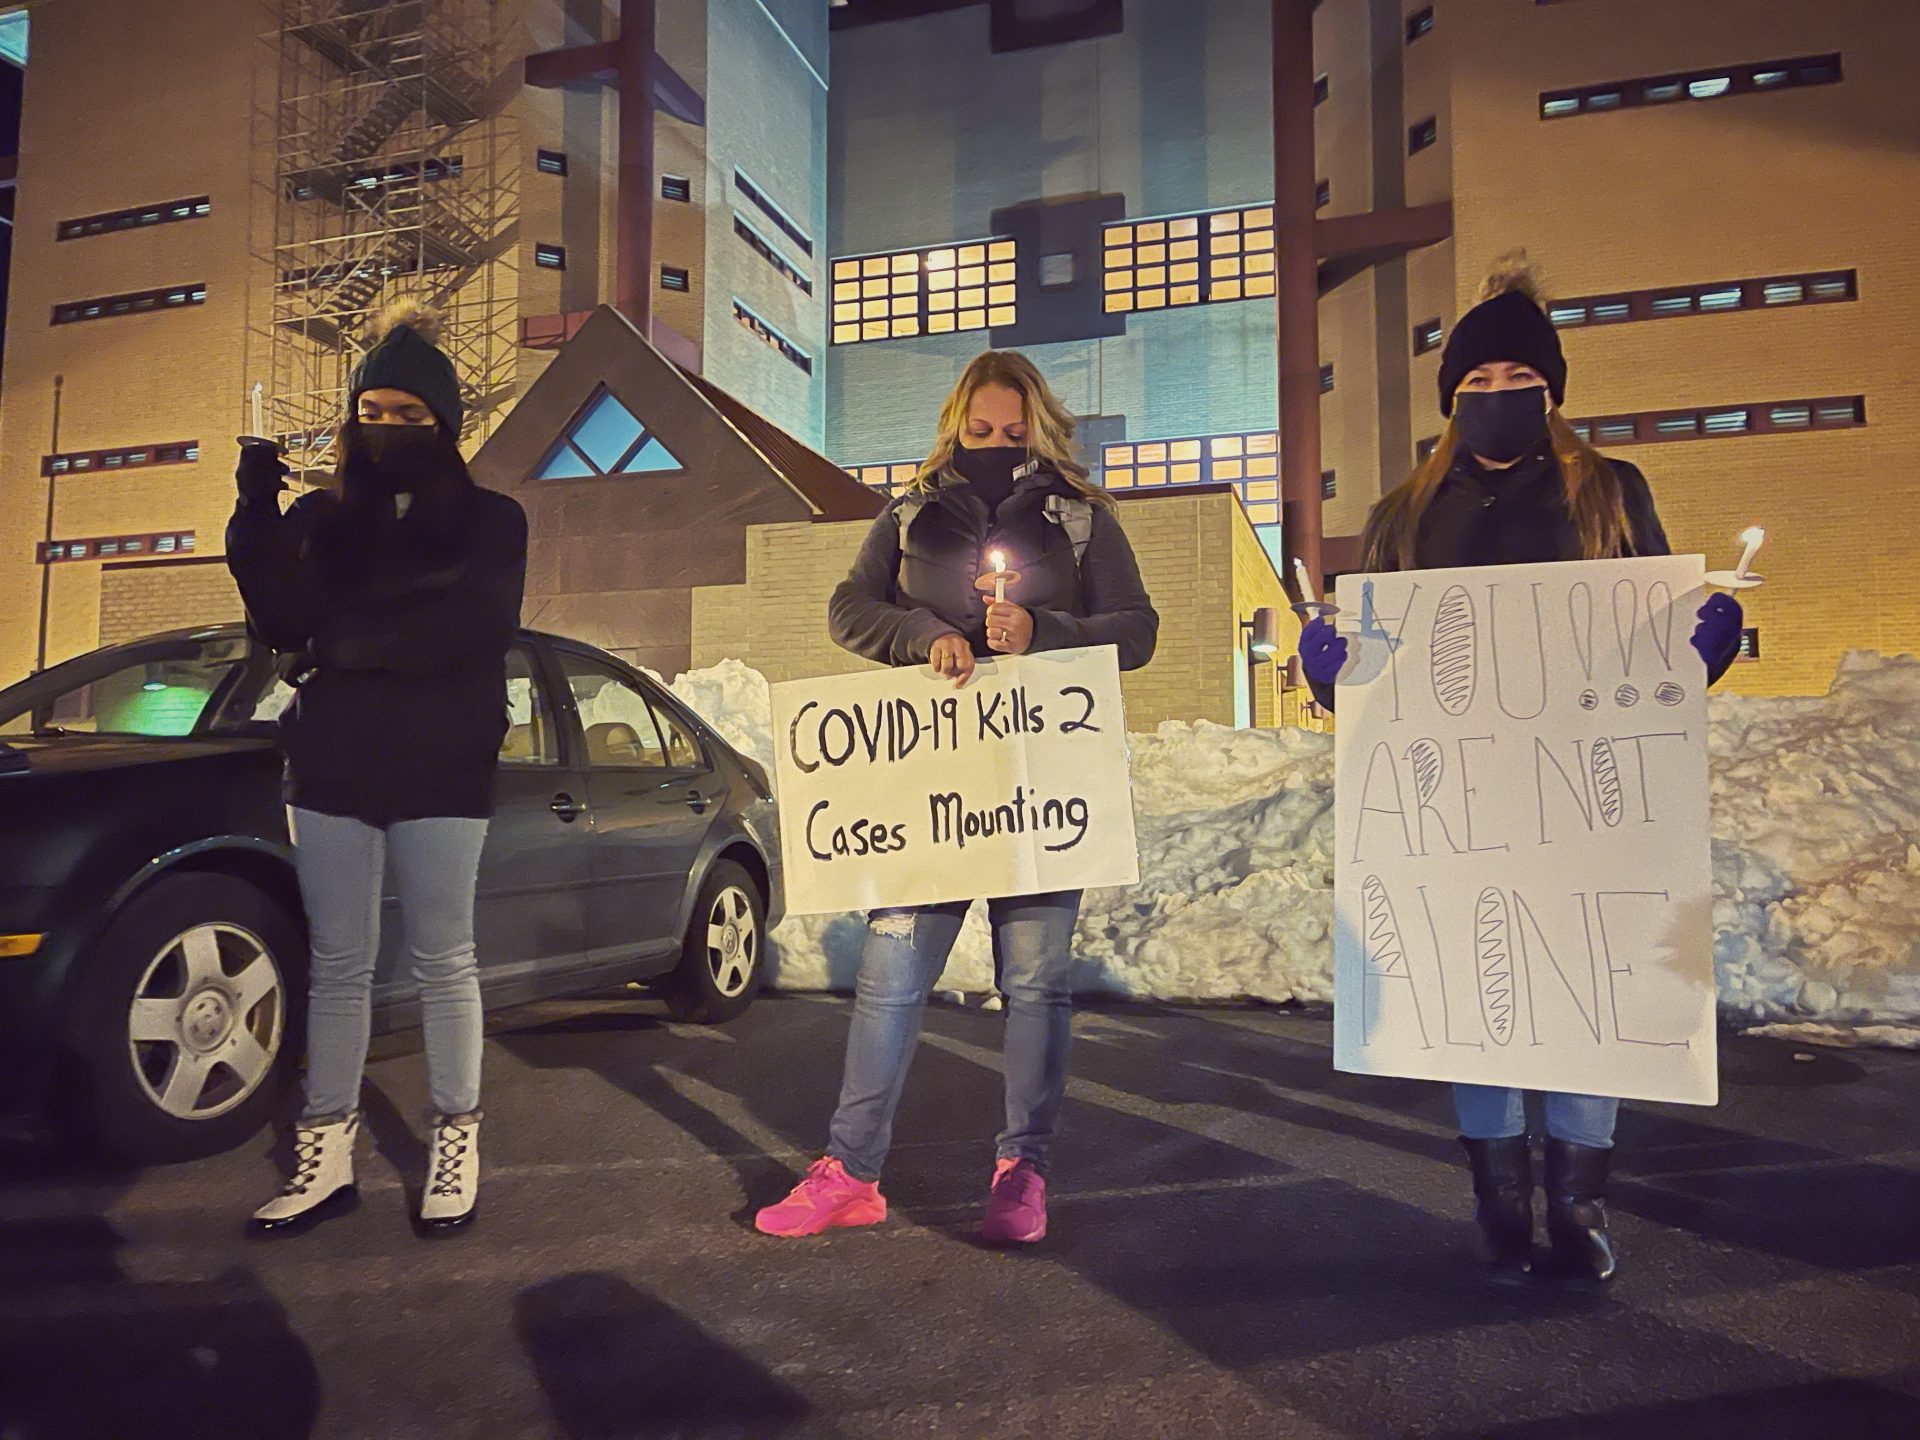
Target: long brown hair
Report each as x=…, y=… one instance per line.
x=1594, y=497
x=1050, y=424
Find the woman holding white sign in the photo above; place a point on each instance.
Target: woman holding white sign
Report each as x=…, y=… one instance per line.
x=1001, y=546
x=1512, y=482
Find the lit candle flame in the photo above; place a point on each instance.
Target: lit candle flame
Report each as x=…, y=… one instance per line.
x=999, y=559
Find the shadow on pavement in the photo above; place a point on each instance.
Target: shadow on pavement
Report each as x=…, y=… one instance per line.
x=1815, y=1408
x=86, y=1351
x=615, y=1361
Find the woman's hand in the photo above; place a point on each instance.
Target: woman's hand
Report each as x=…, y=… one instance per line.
x=261, y=473
x=952, y=655
x=1323, y=651
x=1009, y=628
x=1717, y=636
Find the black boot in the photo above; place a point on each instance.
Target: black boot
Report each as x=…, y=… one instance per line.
x=1577, y=1210
x=1503, y=1188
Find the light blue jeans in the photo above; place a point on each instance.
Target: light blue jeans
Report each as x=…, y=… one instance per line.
x=1493, y=1112
x=436, y=866
x=905, y=952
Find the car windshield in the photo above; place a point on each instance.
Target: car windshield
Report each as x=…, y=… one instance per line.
x=159, y=688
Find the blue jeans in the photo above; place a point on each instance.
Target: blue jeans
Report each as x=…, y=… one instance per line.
x=1493, y=1112
x=904, y=954
x=436, y=866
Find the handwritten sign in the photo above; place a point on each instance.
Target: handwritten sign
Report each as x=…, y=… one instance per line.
x=895, y=788
x=1522, y=889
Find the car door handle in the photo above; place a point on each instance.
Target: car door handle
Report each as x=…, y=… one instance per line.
x=696, y=802
x=567, y=808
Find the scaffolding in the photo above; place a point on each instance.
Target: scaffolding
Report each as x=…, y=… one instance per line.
x=380, y=154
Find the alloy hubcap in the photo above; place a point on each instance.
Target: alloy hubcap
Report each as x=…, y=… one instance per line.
x=733, y=942
x=206, y=1021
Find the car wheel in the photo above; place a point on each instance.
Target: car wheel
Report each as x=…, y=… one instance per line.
x=723, y=956
x=187, y=1021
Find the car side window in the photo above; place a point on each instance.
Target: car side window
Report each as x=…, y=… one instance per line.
x=162, y=689
x=530, y=738
x=615, y=718
x=683, y=746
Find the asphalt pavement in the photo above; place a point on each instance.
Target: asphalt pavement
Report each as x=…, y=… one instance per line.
x=1244, y=1244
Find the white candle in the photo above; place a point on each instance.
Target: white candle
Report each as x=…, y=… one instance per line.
x=258, y=397
x=1300, y=578
x=1753, y=537
x=999, y=559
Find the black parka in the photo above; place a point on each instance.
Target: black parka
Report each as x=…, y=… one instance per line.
x=898, y=599
x=404, y=707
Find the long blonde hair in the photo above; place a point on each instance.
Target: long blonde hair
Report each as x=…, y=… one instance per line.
x=1050, y=424
x=1594, y=497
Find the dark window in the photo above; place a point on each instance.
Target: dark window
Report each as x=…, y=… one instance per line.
x=1419, y=23
x=769, y=252
x=1323, y=195
x=1322, y=88
x=551, y=162
x=1750, y=643
x=550, y=257
x=1326, y=378
x=166, y=212
x=672, y=277
x=133, y=457
x=1023, y=24
x=1693, y=85
x=771, y=337
x=1329, y=485
x=1427, y=335
x=774, y=213
x=676, y=187
x=170, y=542
x=1424, y=449
x=1420, y=136
x=1057, y=272
x=335, y=185
x=1759, y=418
x=140, y=302
x=1713, y=298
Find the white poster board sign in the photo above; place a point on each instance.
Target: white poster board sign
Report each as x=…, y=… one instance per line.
x=1523, y=884
x=895, y=788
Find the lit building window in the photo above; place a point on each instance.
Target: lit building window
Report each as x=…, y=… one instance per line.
x=889, y=477
x=1717, y=297
x=676, y=187
x=772, y=338
x=1247, y=460
x=1329, y=485
x=1202, y=259
x=1427, y=336
x=674, y=277
x=139, y=302
x=1649, y=427
x=942, y=290
x=166, y=212
x=114, y=547
x=132, y=457
x=550, y=162
x=605, y=439
x=550, y=257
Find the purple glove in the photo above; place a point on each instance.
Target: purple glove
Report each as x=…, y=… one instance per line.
x=1323, y=651
x=1717, y=636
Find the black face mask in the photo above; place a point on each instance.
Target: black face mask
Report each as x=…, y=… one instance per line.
x=989, y=470
x=394, y=455
x=1501, y=425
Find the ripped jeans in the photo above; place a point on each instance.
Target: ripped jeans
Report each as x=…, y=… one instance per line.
x=905, y=952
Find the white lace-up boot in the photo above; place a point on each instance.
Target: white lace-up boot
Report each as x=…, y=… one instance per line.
x=322, y=1181
x=453, y=1179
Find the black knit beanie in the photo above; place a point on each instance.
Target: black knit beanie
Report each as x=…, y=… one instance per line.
x=404, y=357
x=1512, y=327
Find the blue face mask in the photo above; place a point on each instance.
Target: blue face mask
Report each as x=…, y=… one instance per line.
x=1501, y=425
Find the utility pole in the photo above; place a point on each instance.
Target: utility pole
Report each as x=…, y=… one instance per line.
x=46, y=553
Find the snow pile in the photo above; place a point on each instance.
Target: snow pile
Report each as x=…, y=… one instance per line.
x=1816, y=814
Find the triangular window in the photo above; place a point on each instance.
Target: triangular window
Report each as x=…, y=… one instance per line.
x=606, y=439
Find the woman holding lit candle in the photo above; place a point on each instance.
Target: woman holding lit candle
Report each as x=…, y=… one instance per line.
x=1512, y=483
x=1001, y=546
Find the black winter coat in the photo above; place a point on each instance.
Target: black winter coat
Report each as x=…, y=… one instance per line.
x=404, y=710
x=895, y=603
x=1519, y=516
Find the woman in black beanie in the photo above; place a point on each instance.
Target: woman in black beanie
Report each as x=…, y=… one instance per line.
x=394, y=592
x=1512, y=483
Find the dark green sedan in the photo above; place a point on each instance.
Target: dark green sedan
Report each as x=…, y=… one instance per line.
x=152, y=947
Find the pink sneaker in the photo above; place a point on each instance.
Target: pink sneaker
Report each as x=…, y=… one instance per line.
x=1017, y=1208
x=827, y=1198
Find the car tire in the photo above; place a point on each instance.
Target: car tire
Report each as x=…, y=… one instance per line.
x=188, y=1020
x=724, y=954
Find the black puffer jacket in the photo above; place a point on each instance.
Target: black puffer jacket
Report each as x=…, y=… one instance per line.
x=897, y=601
x=405, y=708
